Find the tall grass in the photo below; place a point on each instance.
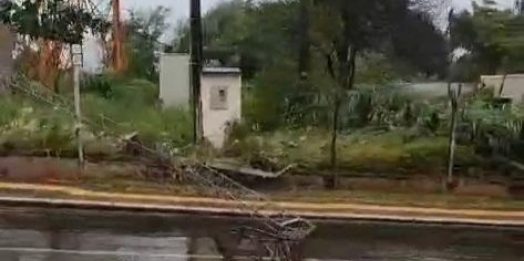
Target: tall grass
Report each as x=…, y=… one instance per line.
x=27, y=125
x=133, y=105
x=112, y=107
x=384, y=152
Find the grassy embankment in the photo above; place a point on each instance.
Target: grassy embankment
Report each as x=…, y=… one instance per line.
x=30, y=127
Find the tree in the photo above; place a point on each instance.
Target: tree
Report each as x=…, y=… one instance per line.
x=143, y=32
x=305, y=45
x=224, y=29
x=250, y=35
x=58, y=21
x=341, y=31
x=492, y=38
x=418, y=42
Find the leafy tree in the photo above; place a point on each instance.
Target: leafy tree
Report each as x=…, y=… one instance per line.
x=260, y=35
x=143, y=32
x=224, y=28
x=418, y=42
x=341, y=31
x=304, y=56
x=59, y=20
x=250, y=35
x=492, y=38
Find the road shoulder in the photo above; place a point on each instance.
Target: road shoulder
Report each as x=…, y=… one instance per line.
x=31, y=195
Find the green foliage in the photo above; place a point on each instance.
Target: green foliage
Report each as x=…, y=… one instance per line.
x=418, y=43
x=57, y=20
x=9, y=109
x=252, y=36
x=170, y=126
x=360, y=45
x=492, y=36
x=366, y=151
x=109, y=97
x=29, y=125
x=379, y=105
x=374, y=69
x=144, y=28
x=265, y=102
x=124, y=91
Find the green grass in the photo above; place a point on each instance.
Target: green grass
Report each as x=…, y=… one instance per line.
x=132, y=104
x=172, y=126
x=28, y=124
x=364, y=151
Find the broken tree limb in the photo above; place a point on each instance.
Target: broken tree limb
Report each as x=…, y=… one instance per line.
x=227, y=165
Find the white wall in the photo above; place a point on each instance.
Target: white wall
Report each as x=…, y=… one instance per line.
x=175, y=92
x=174, y=80
x=437, y=89
x=214, y=121
x=513, y=86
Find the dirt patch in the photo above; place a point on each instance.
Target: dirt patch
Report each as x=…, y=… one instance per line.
x=415, y=184
x=22, y=169
x=126, y=175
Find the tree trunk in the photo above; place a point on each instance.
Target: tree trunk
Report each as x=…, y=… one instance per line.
x=454, y=98
x=502, y=84
x=346, y=80
x=304, y=57
x=332, y=184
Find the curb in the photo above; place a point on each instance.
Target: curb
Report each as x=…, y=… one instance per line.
x=233, y=212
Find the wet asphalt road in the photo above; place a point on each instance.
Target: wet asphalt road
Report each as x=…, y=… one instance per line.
x=67, y=235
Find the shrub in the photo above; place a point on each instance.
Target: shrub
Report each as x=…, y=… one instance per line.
x=130, y=92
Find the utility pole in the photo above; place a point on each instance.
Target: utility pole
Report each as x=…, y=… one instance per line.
x=118, y=62
x=454, y=98
x=196, y=67
x=77, y=57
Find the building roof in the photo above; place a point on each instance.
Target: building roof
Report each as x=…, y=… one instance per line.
x=221, y=70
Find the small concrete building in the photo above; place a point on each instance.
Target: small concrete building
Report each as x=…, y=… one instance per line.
x=221, y=94
x=513, y=86
x=432, y=90
x=221, y=102
x=174, y=80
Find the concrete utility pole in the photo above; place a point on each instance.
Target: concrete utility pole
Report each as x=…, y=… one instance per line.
x=454, y=98
x=196, y=67
x=76, y=52
x=118, y=62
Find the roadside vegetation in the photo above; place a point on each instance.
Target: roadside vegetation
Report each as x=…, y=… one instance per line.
x=328, y=108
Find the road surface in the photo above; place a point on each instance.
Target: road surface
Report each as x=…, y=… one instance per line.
x=67, y=235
